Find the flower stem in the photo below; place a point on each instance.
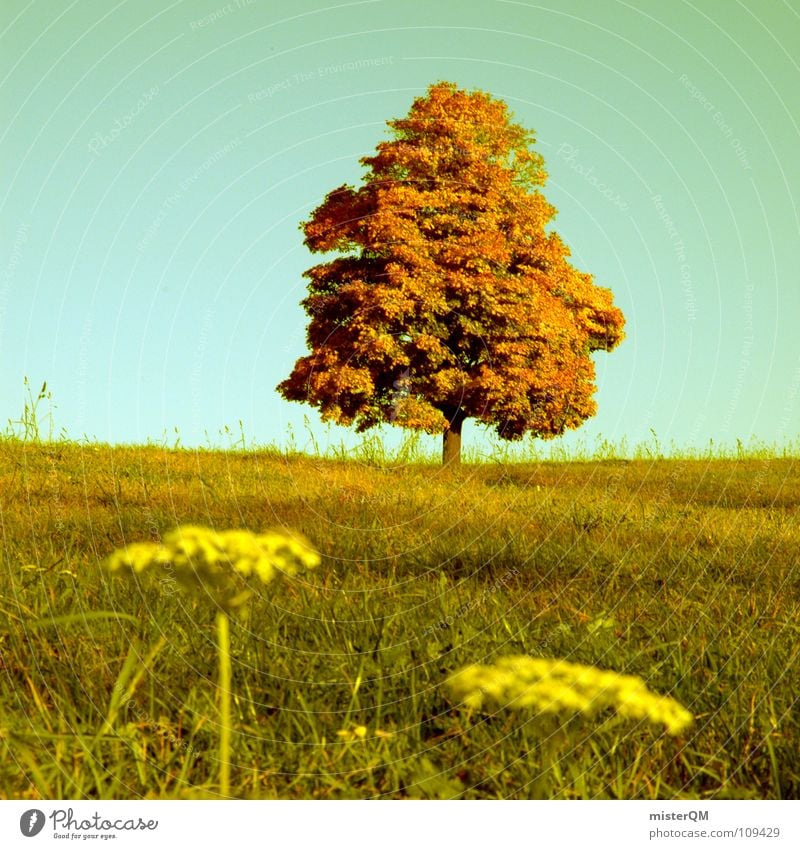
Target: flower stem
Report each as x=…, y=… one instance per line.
x=224, y=651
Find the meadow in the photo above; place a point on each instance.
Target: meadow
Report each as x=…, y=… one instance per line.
x=682, y=570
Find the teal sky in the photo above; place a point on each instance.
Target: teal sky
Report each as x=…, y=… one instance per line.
x=157, y=159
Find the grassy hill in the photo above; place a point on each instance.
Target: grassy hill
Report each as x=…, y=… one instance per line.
x=685, y=572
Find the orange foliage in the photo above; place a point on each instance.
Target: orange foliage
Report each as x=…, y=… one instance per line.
x=449, y=299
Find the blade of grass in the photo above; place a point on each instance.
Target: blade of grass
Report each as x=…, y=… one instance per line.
x=132, y=672
x=79, y=618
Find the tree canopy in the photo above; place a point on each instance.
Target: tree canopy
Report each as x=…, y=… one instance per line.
x=447, y=297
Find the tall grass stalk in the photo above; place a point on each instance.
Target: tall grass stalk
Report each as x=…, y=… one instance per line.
x=224, y=655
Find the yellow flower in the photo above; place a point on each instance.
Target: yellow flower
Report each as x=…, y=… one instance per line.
x=358, y=732
x=225, y=565
x=556, y=686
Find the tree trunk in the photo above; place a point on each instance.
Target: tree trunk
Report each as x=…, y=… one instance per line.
x=451, y=440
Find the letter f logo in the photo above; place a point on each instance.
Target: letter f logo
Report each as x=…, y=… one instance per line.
x=31, y=822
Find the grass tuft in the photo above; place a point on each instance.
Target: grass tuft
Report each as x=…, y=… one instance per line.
x=682, y=571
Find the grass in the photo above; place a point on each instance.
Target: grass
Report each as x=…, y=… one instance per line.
x=684, y=571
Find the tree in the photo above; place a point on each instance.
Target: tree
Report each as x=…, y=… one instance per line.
x=448, y=298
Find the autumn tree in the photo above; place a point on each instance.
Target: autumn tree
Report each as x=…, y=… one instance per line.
x=447, y=297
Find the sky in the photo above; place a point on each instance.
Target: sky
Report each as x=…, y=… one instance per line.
x=158, y=159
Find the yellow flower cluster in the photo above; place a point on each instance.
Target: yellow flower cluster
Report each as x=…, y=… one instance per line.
x=222, y=564
x=555, y=686
x=358, y=732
